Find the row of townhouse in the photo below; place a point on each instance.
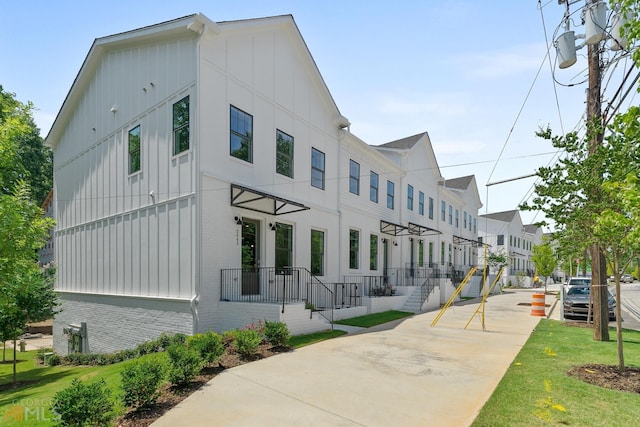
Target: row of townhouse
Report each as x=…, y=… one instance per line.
x=205, y=179
x=504, y=233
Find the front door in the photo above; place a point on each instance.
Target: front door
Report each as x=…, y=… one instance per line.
x=250, y=257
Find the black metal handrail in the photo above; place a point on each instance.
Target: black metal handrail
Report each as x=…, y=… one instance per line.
x=285, y=285
x=427, y=288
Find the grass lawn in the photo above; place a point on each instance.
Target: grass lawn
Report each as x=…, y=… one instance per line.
x=33, y=401
x=370, y=320
x=536, y=390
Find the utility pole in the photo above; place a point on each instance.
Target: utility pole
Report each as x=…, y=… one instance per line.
x=599, y=291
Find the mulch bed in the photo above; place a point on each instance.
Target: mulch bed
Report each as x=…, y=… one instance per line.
x=608, y=376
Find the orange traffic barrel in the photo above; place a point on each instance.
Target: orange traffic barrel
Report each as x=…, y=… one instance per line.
x=537, y=305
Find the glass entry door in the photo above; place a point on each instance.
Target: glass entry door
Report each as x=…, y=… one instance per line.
x=250, y=257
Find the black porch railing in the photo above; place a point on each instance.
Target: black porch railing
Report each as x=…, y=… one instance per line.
x=371, y=286
x=272, y=285
x=346, y=295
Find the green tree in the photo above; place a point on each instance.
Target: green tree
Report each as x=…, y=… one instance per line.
x=544, y=260
x=23, y=155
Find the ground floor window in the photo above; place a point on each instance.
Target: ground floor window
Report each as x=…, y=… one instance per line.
x=317, y=252
x=373, y=252
x=354, y=249
x=284, y=246
x=420, y=253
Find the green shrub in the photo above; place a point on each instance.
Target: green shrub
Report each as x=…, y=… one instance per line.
x=247, y=342
x=141, y=380
x=276, y=333
x=83, y=404
x=40, y=353
x=229, y=338
x=53, y=360
x=179, y=339
x=184, y=364
x=209, y=346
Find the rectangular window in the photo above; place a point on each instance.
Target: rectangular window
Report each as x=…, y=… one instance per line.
x=354, y=177
x=442, y=253
x=430, y=207
x=241, y=135
x=457, y=218
x=181, y=126
x=284, y=246
x=430, y=254
x=465, y=220
x=410, y=197
x=373, y=187
x=284, y=154
x=390, y=194
x=420, y=253
x=421, y=203
x=443, y=211
x=134, y=150
x=373, y=252
x=354, y=249
x=450, y=215
x=317, y=168
x=500, y=239
x=450, y=252
x=474, y=225
x=317, y=253
x=480, y=239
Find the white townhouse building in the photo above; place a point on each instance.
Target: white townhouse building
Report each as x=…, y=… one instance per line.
x=504, y=233
x=204, y=179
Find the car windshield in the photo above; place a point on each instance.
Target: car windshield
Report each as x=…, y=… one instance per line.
x=580, y=282
x=583, y=290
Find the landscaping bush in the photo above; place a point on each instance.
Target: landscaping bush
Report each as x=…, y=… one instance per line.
x=83, y=404
x=247, y=342
x=209, y=346
x=229, y=338
x=276, y=333
x=184, y=364
x=40, y=353
x=141, y=380
x=53, y=360
x=179, y=339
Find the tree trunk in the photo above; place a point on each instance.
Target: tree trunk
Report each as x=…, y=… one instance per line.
x=15, y=374
x=600, y=297
x=619, y=326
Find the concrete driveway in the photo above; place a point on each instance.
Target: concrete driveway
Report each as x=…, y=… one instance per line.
x=403, y=374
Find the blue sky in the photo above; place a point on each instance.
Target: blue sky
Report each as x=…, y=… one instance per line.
x=461, y=70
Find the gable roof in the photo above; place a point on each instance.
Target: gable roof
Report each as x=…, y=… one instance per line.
x=404, y=143
x=531, y=228
x=461, y=183
x=194, y=25
x=506, y=216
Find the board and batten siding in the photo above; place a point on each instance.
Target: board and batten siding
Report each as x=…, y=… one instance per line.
x=121, y=233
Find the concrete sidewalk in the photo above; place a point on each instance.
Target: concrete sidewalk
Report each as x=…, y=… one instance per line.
x=409, y=374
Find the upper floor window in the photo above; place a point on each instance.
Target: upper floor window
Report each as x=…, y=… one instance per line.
x=421, y=203
x=373, y=187
x=181, y=126
x=465, y=220
x=430, y=207
x=457, y=218
x=284, y=154
x=241, y=135
x=500, y=239
x=475, y=230
x=390, y=194
x=450, y=215
x=134, y=150
x=443, y=211
x=317, y=168
x=410, y=197
x=354, y=177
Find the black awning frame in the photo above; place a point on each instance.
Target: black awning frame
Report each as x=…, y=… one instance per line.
x=259, y=201
x=421, y=230
x=459, y=240
x=392, y=229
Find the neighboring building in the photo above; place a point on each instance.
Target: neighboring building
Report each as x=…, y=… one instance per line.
x=504, y=233
x=206, y=179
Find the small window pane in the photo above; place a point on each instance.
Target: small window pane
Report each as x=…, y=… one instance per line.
x=284, y=154
x=134, y=150
x=181, y=126
x=241, y=135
